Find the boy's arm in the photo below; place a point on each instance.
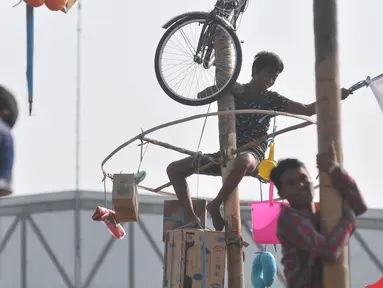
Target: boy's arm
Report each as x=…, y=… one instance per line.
x=349, y=190
x=301, y=109
x=300, y=232
x=236, y=89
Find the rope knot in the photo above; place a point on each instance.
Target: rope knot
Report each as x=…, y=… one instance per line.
x=236, y=240
x=198, y=158
x=275, y=114
x=263, y=181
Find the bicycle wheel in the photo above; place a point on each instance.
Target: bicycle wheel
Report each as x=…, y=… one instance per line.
x=183, y=75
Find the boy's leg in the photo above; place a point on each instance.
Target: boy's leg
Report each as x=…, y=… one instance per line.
x=177, y=172
x=245, y=164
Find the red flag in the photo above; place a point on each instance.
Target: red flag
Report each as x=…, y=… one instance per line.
x=378, y=284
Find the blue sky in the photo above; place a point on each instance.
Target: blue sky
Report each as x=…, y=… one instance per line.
x=120, y=94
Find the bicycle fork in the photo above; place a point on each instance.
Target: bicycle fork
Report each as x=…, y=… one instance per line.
x=205, y=44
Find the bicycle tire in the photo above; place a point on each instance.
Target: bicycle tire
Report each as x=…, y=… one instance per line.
x=198, y=102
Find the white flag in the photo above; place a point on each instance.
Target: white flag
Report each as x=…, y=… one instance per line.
x=376, y=86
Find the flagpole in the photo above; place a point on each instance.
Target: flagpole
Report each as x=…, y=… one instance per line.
x=77, y=252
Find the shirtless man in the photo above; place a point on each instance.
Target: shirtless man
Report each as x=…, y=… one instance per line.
x=253, y=95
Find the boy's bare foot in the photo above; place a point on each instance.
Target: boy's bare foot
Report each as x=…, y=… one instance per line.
x=218, y=221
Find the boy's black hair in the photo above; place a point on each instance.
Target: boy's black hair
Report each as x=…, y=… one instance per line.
x=8, y=102
x=267, y=59
x=283, y=165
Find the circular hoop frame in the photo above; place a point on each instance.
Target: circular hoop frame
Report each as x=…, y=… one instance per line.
x=308, y=122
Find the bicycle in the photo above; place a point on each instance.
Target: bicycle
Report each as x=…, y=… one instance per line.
x=222, y=18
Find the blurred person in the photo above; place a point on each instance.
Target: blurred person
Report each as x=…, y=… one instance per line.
x=8, y=117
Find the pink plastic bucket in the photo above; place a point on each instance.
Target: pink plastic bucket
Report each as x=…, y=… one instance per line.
x=264, y=216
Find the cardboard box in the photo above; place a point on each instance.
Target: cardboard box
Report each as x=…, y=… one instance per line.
x=69, y=5
x=125, y=197
x=173, y=214
x=184, y=259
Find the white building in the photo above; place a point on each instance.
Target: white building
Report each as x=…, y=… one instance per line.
x=50, y=241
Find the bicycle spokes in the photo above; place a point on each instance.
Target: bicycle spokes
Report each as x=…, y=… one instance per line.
x=186, y=63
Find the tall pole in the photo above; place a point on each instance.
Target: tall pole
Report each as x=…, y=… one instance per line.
x=78, y=95
x=227, y=141
x=335, y=273
x=77, y=234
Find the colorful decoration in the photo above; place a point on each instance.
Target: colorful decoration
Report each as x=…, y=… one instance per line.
x=35, y=3
x=265, y=167
x=54, y=5
x=264, y=270
x=108, y=217
x=264, y=216
x=30, y=54
x=377, y=284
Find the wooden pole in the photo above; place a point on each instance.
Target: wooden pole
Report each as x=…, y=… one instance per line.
x=335, y=273
x=227, y=141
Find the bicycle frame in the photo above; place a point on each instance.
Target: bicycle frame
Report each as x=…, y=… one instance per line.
x=223, y=9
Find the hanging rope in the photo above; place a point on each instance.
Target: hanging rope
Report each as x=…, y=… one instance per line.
x=203, y=128
x=271, y=139
x=106, y=202
x=199, y=155
x=142, y=151
x=274, y=129
x=198, y=161
x=139, y=176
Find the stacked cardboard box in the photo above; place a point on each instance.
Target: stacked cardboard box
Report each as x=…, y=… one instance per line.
x=194, y=258
x=174, y=217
